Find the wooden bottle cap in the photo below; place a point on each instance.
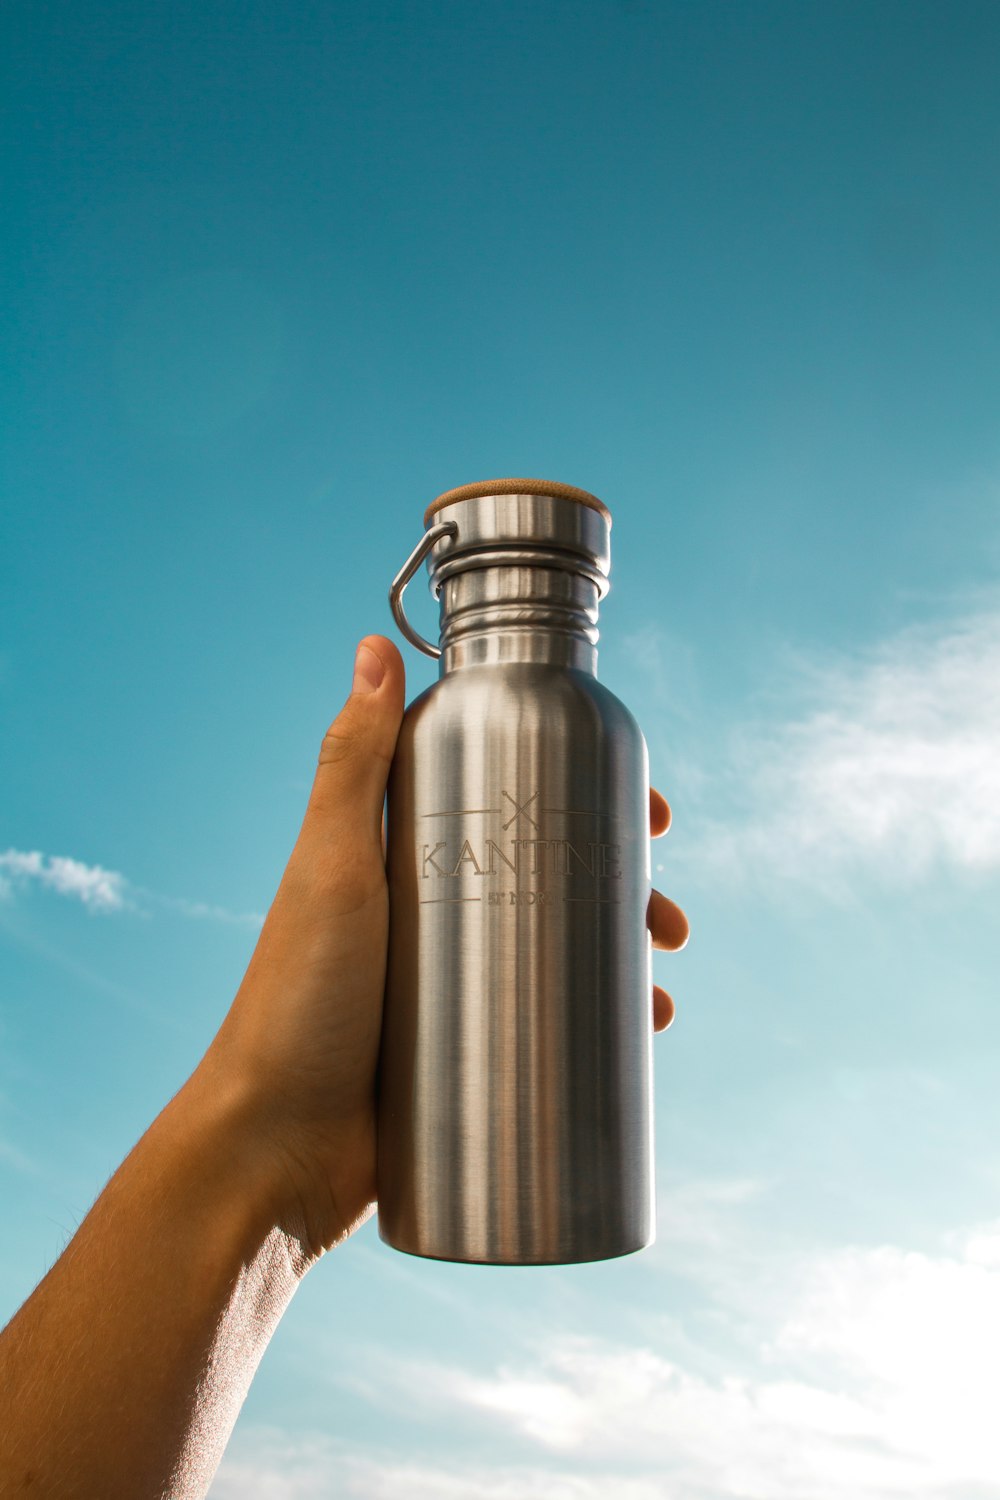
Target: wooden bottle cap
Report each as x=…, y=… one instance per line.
x=517, y=487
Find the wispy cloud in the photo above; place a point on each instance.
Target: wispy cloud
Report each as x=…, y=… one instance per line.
x=101, y=890
x=890, y=763
x=200, y=911
x=874, y=1378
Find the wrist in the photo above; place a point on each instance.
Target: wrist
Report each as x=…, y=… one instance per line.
x=215, y=1123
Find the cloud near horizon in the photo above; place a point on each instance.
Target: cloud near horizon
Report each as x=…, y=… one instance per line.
x=874, y=1377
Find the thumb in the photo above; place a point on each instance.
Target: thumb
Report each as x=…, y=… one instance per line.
x=357, y=748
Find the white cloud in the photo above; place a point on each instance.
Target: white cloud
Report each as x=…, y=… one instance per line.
x=853, y=1399
x=920, y=1335
x=894, y=765
x=97, y=888
x=873, y=1373
x=101, y=890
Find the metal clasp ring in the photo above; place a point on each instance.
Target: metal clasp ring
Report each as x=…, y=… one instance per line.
x=402, y=578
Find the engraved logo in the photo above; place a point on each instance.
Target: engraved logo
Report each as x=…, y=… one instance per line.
x=530, y=865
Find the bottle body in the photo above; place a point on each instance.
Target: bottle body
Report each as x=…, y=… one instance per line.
x=515, y=1082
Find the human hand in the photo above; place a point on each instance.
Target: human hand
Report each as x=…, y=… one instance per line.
x=302, y=1035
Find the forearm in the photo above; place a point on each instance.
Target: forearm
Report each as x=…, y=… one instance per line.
x=124, y=1372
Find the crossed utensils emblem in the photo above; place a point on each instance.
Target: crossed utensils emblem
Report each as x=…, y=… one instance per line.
x=519, y=809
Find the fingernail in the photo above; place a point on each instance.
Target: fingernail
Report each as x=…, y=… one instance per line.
x=368, y=670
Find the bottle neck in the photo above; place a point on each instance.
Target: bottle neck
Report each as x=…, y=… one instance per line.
x=517, y=613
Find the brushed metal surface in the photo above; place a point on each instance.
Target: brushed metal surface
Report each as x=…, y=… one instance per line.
x=515, y=1086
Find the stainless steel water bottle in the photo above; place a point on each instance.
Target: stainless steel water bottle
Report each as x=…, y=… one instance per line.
x=515, y=1077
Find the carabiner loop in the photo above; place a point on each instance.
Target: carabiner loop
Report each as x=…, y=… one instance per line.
x=402, y=578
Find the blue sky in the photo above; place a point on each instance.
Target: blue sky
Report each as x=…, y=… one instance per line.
x=274, y=277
